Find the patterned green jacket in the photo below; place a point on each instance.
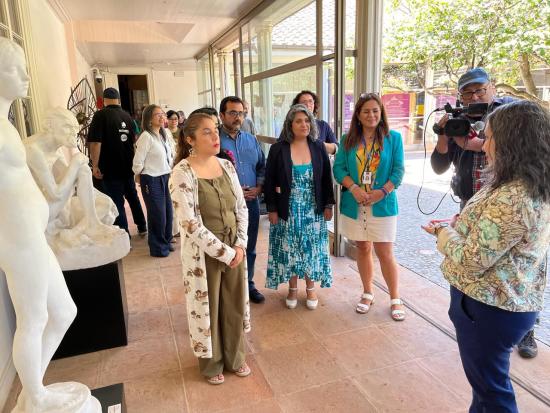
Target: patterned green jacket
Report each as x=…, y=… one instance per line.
x=496, y=251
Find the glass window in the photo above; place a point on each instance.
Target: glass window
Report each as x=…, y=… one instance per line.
x=350, y=24
x=329, y=17
x=15, y=21
x=349, y=97
x=203, y=80
x=3, y=17
x=272, y=98
x=246, y=50
x=218, y=67
x=284, y=32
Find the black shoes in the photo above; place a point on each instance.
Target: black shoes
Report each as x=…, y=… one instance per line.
x=142, y=232
x=527, y=347
x=256, y=296
x=171, y=248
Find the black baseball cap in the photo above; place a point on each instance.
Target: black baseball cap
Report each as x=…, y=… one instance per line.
x=111, y=93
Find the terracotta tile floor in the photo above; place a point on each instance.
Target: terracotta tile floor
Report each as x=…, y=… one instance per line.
x=328, y=360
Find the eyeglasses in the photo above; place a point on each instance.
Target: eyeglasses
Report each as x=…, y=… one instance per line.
x=234, y=114
x=160, y=115
x=478, y=92
x=173, y=118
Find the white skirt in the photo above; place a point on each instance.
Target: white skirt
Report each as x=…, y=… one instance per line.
x=369, y=228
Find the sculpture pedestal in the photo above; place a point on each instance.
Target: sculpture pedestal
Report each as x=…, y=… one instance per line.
x=111, y=398
x=102, y=318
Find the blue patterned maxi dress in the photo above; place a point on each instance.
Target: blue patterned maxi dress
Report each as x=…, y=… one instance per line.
x=299, y=246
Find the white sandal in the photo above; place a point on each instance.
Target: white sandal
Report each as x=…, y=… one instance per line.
x=364, y=308
x=311, y=304
x=397, y=315
x=291, y=304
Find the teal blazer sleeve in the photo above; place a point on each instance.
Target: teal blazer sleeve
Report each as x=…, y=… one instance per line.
x=341, y=167
x=398, y=167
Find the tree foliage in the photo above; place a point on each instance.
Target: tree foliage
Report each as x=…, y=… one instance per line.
x=507, y=37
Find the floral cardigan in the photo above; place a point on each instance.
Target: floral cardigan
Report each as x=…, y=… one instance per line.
x=497, y=249
x=197, y=240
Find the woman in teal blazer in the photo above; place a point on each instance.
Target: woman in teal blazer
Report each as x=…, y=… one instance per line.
x=370, y=165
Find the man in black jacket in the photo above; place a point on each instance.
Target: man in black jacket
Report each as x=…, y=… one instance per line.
x=468, y=158
x=111, y=140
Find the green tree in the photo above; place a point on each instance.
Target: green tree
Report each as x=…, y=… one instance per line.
x=507, y=37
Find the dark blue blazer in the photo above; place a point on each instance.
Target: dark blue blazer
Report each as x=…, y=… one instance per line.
x=279, y=175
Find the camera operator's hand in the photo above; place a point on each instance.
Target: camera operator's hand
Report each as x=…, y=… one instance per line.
x=442, y=145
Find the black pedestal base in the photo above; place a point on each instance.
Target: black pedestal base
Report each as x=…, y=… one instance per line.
x=111, y=398
x=102, y=317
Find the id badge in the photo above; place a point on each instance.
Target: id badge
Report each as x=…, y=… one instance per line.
x=367, y=178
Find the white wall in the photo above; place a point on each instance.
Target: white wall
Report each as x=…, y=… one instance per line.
x=165, y=89
x=175, y=92
x=52, y=71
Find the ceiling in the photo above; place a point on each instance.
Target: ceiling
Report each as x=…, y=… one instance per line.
x=163, y=34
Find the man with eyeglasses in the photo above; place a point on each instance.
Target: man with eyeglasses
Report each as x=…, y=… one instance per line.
x=250, y=165
x=468, y=158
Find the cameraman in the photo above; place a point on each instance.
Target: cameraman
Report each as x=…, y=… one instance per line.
x=468, y=158
x=465, y=152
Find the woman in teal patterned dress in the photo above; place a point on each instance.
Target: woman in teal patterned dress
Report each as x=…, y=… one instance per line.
x=299, y=198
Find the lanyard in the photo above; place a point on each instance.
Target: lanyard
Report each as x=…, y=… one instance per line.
x=368, y=158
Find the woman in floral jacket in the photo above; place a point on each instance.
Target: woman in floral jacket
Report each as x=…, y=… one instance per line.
x=495, y=252
x=213, y=220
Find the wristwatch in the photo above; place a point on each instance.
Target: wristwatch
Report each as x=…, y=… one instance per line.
x=439, y=226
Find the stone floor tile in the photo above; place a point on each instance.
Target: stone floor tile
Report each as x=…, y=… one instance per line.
x=175, y=294
x=408, y=388
x=234, y=393
x=145, y=357
x=418, y=337
x=156, y=393
x=294, y=368
x=83, y=368
x=152, y=323
x=533, y=371
x=339, y=396
x=141, y=263
x=363, y=350
x=447, y=368
x=277, y=329
x=263, y=406
x=143, y=294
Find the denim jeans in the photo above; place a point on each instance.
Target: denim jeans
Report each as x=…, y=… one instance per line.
x=485, y=337
x=117, y=190
x=159, y=213
x=253, y=225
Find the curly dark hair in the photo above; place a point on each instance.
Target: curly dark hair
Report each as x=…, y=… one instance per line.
x=287, y=134
x=521, y=133
x=296, y=100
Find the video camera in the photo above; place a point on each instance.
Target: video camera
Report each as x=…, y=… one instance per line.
x=460, y=122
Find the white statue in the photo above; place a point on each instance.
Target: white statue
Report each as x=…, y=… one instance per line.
x=43, y=306
x=80, y=229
